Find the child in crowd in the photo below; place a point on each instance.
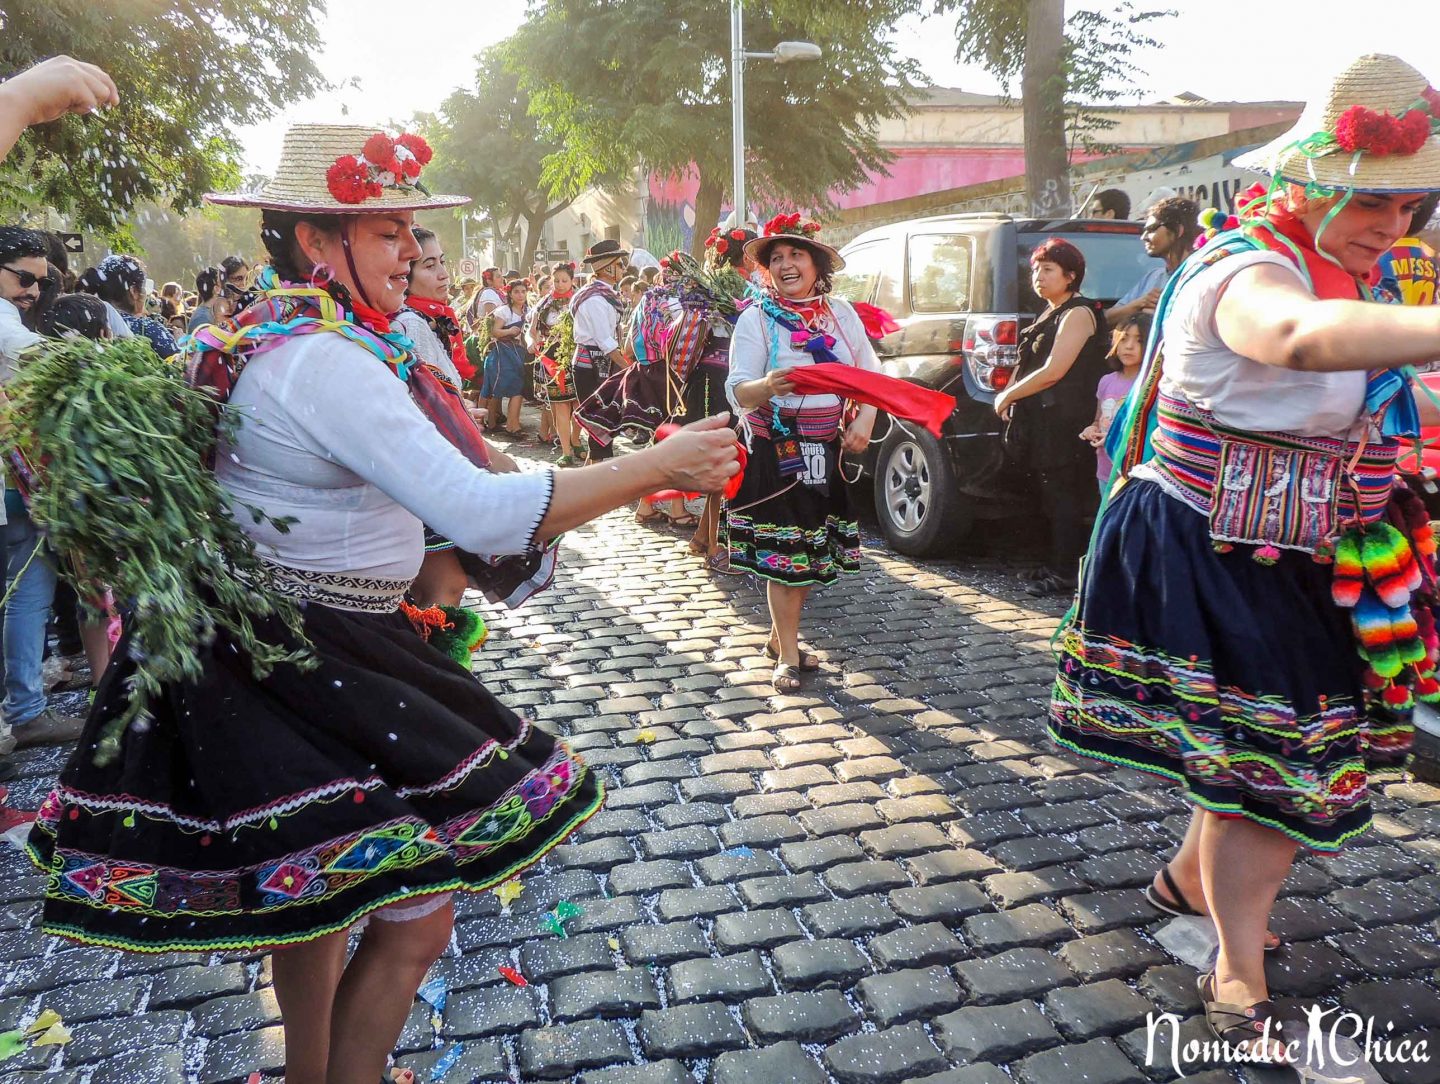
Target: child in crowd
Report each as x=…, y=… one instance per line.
x=1127, y=350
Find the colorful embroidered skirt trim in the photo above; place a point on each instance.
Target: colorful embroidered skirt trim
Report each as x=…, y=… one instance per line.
x=256, y=814
x=789, y=532
x=1238, y=680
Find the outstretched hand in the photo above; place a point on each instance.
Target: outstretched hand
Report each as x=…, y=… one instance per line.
x=702, y=456
x=58, y=86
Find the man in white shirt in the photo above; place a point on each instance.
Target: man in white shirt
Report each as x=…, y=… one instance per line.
x=597, y=308
x=1171, y=227
x=24, y=272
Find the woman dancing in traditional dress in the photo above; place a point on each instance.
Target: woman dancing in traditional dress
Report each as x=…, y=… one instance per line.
x=278, y=813
x=791, y=522
x=554, y=381
x=1210, y=644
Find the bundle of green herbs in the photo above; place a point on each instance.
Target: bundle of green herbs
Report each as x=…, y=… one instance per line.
x=121, y=444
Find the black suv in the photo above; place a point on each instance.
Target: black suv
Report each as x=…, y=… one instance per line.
x=959, y=286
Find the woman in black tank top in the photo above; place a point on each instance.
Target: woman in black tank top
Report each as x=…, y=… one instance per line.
x=1062, y=358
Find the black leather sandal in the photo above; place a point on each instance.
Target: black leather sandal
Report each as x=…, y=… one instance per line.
x=1245, y=1027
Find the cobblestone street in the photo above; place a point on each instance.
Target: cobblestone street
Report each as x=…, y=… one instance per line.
x=889, y=877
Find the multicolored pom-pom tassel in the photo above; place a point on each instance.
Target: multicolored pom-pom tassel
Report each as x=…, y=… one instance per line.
x=1349, y=578
x=461, y=636
x=1266, y=555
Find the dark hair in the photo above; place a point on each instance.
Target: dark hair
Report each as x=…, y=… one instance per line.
x=78, y=314
x=1424, y=213
x=277, y=232
x=206, y=283
x=57, y=254
x=1115, y=201
x=21, y=242
x=230, y=264
x=1063, y=255
x=422, y=235
x=735, y=247
x=1181, y=216
x=112, y=280
x=564, y=265
x=511, y=287
x=824, y=264
x=1138, y=320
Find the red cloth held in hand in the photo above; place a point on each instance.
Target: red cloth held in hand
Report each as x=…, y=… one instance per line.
x=898, y=398
x=732, y=486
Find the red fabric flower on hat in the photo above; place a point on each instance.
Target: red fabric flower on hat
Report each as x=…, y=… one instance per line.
x=349, y=180
x=710, y=241
x=379, y=150
x=1432, y=99
x=1414, y=131
x=410, y=169
x=737, y=235
x=722, y=246
x=1361, y=129
x=416, y=146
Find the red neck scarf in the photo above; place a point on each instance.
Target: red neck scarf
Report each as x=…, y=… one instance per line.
x=447, y=327
x=1330, y=281
x=809, y=311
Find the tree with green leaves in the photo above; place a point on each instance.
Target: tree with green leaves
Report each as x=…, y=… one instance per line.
x=626, y=82
x=189, y=73
x=488, y=146
x=1065, y=69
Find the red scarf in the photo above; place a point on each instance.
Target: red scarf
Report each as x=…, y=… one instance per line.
x=899, y=398
x=447, y=329
x=1330, y=281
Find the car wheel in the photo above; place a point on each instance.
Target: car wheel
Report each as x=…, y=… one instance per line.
x=916, y=502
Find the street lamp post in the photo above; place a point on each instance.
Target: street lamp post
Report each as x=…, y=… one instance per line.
x=784, y=53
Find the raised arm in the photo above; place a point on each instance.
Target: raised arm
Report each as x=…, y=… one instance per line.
x=47, y=92
x=1265, y=314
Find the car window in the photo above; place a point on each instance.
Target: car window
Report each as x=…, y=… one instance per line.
x=940, y=272
x=1114, y=262
x=862, y=270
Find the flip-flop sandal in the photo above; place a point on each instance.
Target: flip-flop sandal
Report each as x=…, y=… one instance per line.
x=1235, y=1025
x=1180, y=907
x=808, y=663
x=687, y=522
x=720, y=562
x=655, y=514
x=785, y=679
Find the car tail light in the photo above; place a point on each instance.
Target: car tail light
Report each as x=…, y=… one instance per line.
x=990, y=349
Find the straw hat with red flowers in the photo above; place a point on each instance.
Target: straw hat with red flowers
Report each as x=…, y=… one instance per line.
x=793, y=229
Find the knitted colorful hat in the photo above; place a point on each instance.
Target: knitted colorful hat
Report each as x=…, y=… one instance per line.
x=1374, y=131
x=792, y=229
x=345, y=169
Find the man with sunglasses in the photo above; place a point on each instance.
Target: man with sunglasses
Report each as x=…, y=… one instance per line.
x=24, y=274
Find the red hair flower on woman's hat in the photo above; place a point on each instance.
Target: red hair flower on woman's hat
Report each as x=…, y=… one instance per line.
x=382, y=163
x=380, y=150
x=1380, y=134
x=417, y=146
x=737, y=235
x=349, y=180
x=721, y=245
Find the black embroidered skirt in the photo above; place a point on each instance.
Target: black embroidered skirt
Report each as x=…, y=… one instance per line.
x=253, y=814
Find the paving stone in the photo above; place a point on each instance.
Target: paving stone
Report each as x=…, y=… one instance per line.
x=479, y=1061
x=243, y=1012
x=787, y=891
x=665, y=944
x=1157, y=1050
x=947, y=903
x=949, y=865
x=1097, y=912
x=495, y=1011
x=1034, y=852
x=768, y=831
x=646, y=797
x=1391, y=950
x=792, y=756
x=864, y=878
x=884, y=1057
x=766, y=805
x=1066, y=817
x=810, y=1017
x=604, y=994
x=645, y=878
x=1407, y=1004
x=917, y=946
x=558, y=1053
x=783, y=1063
x=722, y=869
x=902, y=996
x=1096, y=1062
x=690, y=1031
x=655, y=1072
x=1172, y=988
x=598, y=854
x=1108, y=1007
x=756, y=929
x=717, y=788
x=819, y=854
x=969, y=1074
x=1388, y=906
x=231, y=1058
x=689, y=814
x=541, y=961
x=1018, y=889
x=845, y=794
x=849, y=918
x=1032, y=924
x=1307, y=969
x=928, y=808
x=101, y=1039
x=1356, y=865
x=809, y=965
x=1113, y=955
x=145, y=1067
x=680, y=903
x=904, y=840
x=186, y=986
x=730, y=978
x=999, y=1034
x=1025, y=972
x=602, y=916
x=693, y=842
x=1307, y=920
x=848, y=820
